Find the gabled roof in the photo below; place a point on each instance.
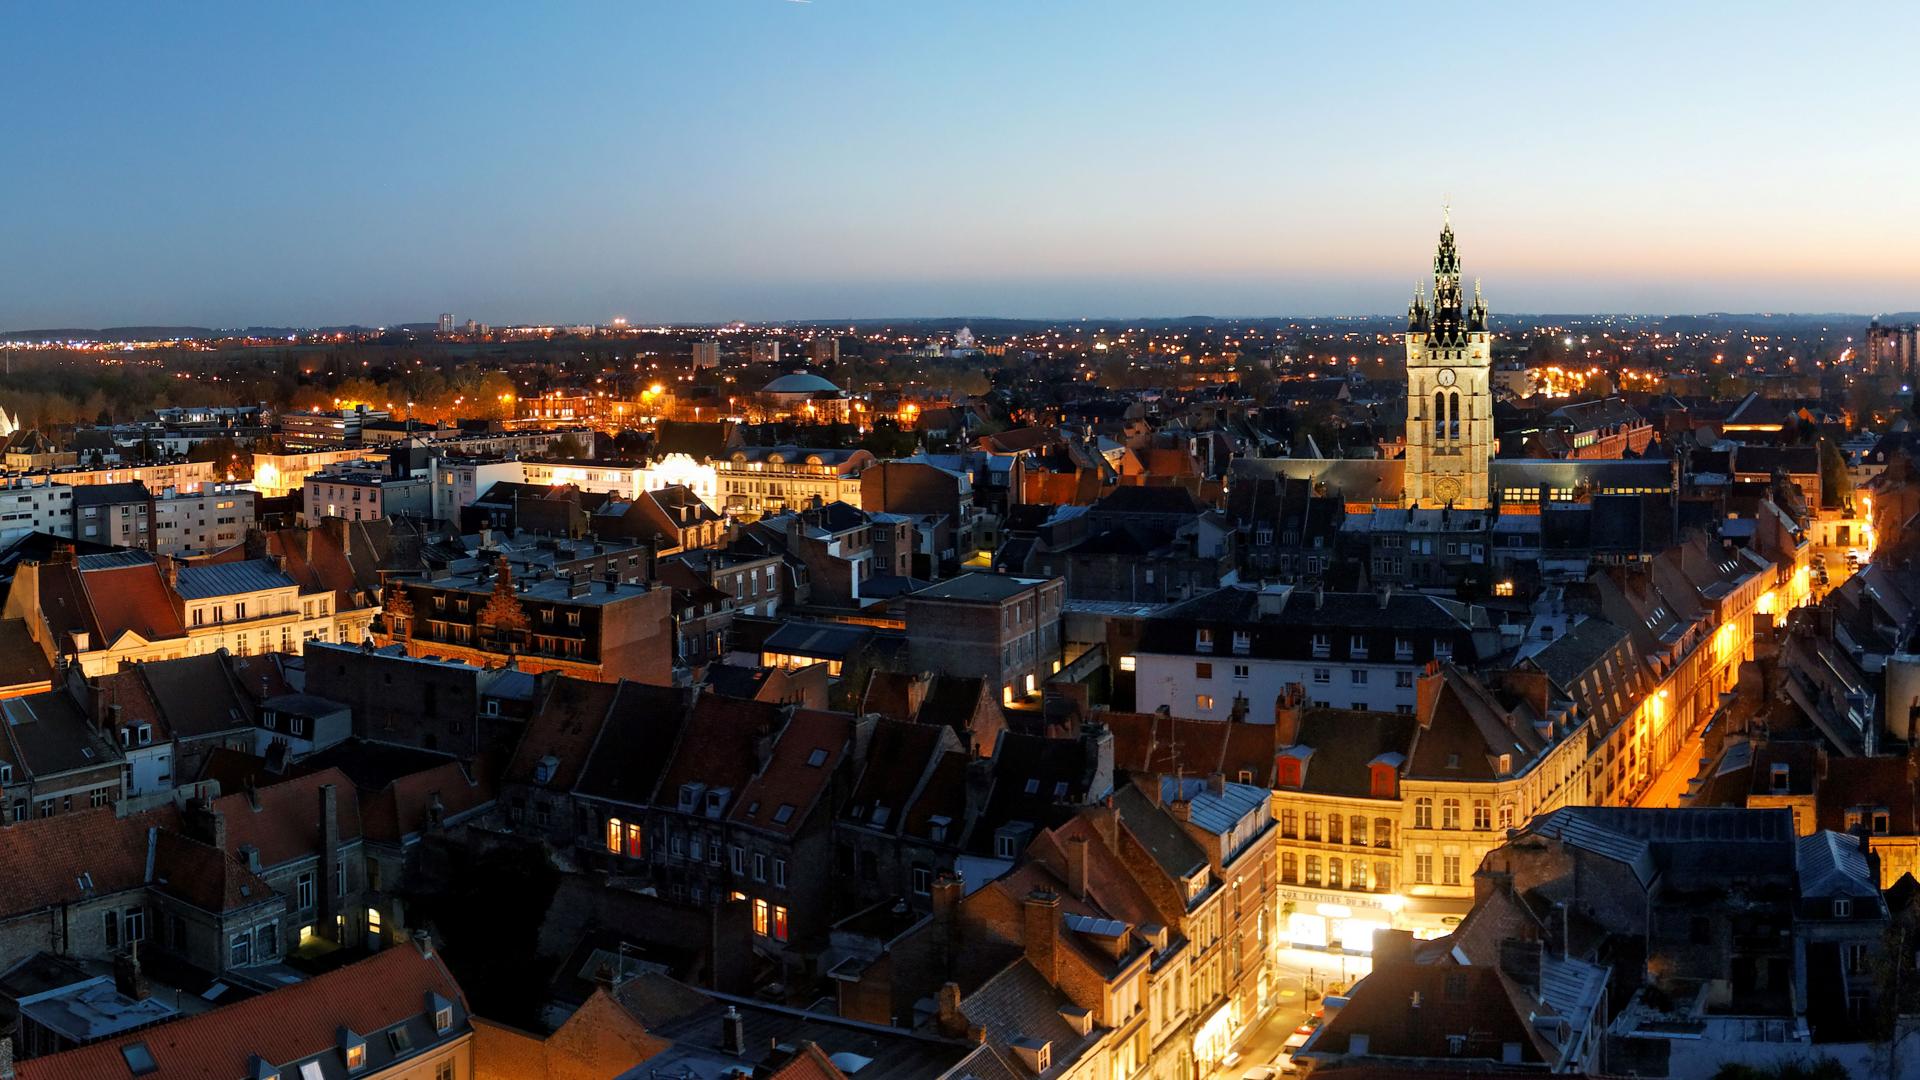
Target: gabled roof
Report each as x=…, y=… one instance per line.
x=900, y=754
x=405, y=807
x=1019, y=1004
x=203, y=875
x=563, y=728
x=636, y=743
x=282, y=821
x=806, y=756
x=720, y=749
x=197, y=695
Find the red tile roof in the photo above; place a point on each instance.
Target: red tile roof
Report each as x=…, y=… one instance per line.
x=204, y=876
x=131, y=599
x=45, y=858
x=802, y=766
x=281, y=1027
x=402, y=808
x=286, y=825
x=718, y=749
x=568, y=721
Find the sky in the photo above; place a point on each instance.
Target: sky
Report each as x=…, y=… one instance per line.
x=237, y=164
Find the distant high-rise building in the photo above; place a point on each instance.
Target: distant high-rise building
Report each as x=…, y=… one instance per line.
x=766, y=351
x=1892, y=350
x=446, y=322
x=823, y=350
x=706, y=354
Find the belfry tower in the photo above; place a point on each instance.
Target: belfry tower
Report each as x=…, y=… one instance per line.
x=1449, y=391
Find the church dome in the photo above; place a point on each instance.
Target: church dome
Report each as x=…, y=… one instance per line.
x=800, y=382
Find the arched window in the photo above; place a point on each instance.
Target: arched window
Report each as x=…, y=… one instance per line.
x=1453, y=416
x=1440, y=414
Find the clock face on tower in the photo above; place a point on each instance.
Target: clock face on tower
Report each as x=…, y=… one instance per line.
x=1446, y=489
x=1446, y=376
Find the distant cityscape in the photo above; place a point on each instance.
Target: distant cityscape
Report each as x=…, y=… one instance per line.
x=1445, y=694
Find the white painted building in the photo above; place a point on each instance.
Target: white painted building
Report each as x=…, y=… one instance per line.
x=252, y=607
x=1347, y=650
x=28, y=506
x=457, y=483
x=213, y=518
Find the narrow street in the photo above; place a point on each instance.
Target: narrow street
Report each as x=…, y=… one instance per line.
x=1667, y=788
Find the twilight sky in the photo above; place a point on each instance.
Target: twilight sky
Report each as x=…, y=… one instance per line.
x=233, y=163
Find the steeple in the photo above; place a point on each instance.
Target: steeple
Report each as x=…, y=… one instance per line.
x=1447, y=317
x=1417, y=311
x=1477, y=317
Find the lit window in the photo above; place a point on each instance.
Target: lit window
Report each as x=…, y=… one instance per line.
x=1127, y=663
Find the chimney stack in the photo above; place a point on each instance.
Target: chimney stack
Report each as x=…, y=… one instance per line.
x=330, y=867
x=127, y=976
x=1042, y=928
x=1076, y=851
x=953, y=1023
x=733, y=1032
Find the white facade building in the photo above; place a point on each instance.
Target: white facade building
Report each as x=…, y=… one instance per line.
x=27, y=506
x=458, y=483
x=1240, y=647
x=215, y=517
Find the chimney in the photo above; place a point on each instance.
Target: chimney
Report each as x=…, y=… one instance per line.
x=1076, y=849
x=947, y=889
x=1287, y=707
x=953, y=1023
x=1520, y=960
x=330, y=868
x=603, y=977
x=127, y=977
x=733, y=1032
x=1182, y=810
x=423, y=941
x=1217, y=783
x=1392, y=947
x=1042, y=928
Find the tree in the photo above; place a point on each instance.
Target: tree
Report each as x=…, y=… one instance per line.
x=566, y=447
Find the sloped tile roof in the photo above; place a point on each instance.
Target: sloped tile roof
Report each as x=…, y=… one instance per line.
x=286, y=826
x=284, y=1027
x=46, y=858
x=805, y=758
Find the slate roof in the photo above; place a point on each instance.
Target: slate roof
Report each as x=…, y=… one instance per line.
x=1019, y=1004
x=1165, y=841
x=197, y=695
x=48, y=734
x=720, y=749
x=203, y=581
x=635, y=744
x=1832, y=865
x=1344, y=743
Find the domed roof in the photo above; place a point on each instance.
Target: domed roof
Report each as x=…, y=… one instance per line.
x=800, y=382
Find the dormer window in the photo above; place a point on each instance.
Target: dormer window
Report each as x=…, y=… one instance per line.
x=1357, y=646
x=1322, y=645
x=1442, y=649
x=1402, y=649
x=690, y=797
x=1843, y=909
x=1289, y=772
x=937, y=828
x=146, y=734
x=1203, y=640
x=1779, y=775
x=1242, y=643
x=717, y=801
